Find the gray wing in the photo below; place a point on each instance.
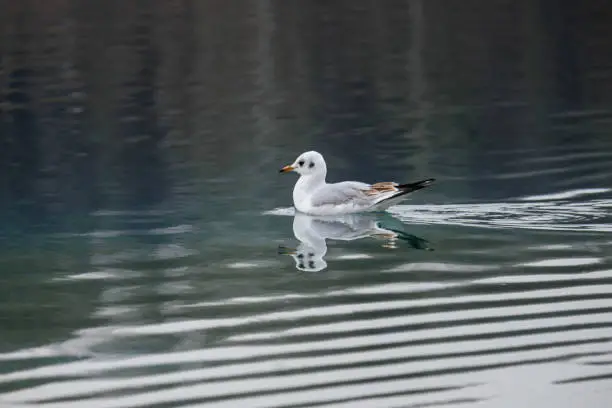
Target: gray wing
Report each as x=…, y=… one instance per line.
x=341, y=193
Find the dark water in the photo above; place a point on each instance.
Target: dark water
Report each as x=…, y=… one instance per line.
x=149, y=255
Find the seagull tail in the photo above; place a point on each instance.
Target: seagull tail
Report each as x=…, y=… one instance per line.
x=410, y=187
x=403, y=190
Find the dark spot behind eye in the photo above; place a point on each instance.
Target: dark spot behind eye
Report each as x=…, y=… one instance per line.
x=311, y=165
x=300, y=256
x=301, y=163
x=311, y=254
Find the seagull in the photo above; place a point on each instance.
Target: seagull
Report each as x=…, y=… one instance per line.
x=313, y=195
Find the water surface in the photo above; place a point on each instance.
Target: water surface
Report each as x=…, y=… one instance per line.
x=471, y=302
x=150, y=257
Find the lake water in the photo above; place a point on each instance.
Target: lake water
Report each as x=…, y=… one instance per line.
x=150, y=257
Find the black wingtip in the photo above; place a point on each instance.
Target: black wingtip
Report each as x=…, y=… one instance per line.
x=409, y=187
x=426, y=182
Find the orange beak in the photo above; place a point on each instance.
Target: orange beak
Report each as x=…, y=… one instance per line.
x=287, y=169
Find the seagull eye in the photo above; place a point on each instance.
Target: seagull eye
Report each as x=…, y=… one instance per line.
x=311, y=165
x=300, y=256
x=301, y=163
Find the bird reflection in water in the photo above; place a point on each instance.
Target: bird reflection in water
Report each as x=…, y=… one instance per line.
x=313, y=231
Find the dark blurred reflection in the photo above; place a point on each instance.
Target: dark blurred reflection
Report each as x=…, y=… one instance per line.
x=110, y=104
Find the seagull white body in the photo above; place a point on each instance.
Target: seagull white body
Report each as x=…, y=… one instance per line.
x=313, y=195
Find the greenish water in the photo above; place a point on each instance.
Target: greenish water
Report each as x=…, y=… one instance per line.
x=165, y=308
x=150, y=257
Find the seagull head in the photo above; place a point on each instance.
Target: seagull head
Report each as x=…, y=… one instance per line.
x=307, y=163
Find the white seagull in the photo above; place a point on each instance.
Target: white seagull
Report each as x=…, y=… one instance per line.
x=313, y=195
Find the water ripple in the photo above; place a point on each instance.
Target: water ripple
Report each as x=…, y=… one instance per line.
x=173, y=320
x=593, y=215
